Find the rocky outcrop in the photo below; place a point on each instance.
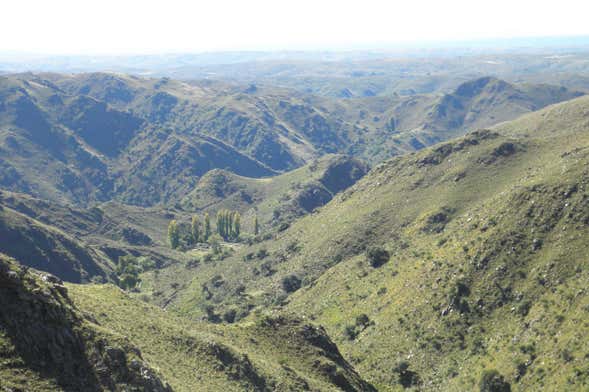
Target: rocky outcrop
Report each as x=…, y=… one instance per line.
x=48, y=335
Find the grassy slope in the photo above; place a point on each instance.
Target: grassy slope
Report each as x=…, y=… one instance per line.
x=94, y=338
x=74, y=148
x=502, y=211
x=276, y=199
x=32, y=236
x=79, y=244
x=271, y=354
x=47, y=344
x=96, y=137
x=283, y=128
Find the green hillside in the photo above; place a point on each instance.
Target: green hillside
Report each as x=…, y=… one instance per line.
x=278, y=199
x=486, y=265
x=84, y=244
x=48, y=344
x=74, y=148
x=458, y=265
x=29, y=235
x=93, y=338
x=269, y=354
x=91, y=138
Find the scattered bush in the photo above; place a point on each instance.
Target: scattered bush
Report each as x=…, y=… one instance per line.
x=524, y=308
x=362, y=321
x=291, y=283
x=262, y=253
x=215, y=243
x=351, y=332
x=377, y=256
x=128, y=272
x=211, y=315
x=193, y=263
x=145, y=263
x=492, y=381
x=406, y=377
x=229, y=316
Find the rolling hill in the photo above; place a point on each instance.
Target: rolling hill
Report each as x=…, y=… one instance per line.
x=279, y=199
x=461, y=262
x=93, y=338
x=91, y=138
x=436, y=267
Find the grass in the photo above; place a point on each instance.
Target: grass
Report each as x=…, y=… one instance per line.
x=278, y=199
x=202, y=356
x=513, y=233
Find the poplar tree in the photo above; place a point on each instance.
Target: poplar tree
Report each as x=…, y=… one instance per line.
x=173, y=234
x=256, y=225
x=236, y=225
x=195, y=228
x=221, y=223
x=207, y=232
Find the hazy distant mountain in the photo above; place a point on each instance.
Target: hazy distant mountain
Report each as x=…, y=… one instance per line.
x=94, y=137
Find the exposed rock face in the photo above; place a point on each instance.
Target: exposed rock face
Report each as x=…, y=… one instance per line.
x=49, y=336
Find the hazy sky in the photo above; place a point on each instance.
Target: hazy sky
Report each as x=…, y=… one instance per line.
x=122, y=26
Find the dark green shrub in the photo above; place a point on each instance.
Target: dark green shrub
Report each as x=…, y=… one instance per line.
x=362, y=321
x=407, y=378
x=492, y=381
x=229, y=316
x=291, y=283
x=193, y=263
x=128, y=272
x=351, y=332
x=377, y=256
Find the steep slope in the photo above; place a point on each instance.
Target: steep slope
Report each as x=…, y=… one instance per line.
x=95, y=338
x=78, y=244
x=48, y=344
x=75, y=148
x=270, y=354
x=487, y=101
x=169, y=166
x=421, y=121
x=440, y=265
x=37, y=154
x=96, y=137
x=250, y=120
x=33, y=239
x=284, y=129
x=279, y=199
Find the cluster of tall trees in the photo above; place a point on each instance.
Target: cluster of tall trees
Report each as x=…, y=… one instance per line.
x=197, y=233
x=200, y=233
x=228, y=224
x=228, y=228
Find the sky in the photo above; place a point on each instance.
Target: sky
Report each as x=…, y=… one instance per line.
x=174, y=26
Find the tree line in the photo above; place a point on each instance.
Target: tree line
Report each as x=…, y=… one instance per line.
x=228, y=227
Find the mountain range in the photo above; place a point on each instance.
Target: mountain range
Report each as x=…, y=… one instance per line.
x=430, y=241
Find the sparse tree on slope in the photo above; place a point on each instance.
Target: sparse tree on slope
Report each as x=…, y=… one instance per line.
x=207, y=232
x=221, y=223
x=173, y=234
x=256, y=226
x=236, y=224
x=195, y=228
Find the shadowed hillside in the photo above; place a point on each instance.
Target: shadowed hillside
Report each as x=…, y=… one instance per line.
x=48, y=344
x=95, y=137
